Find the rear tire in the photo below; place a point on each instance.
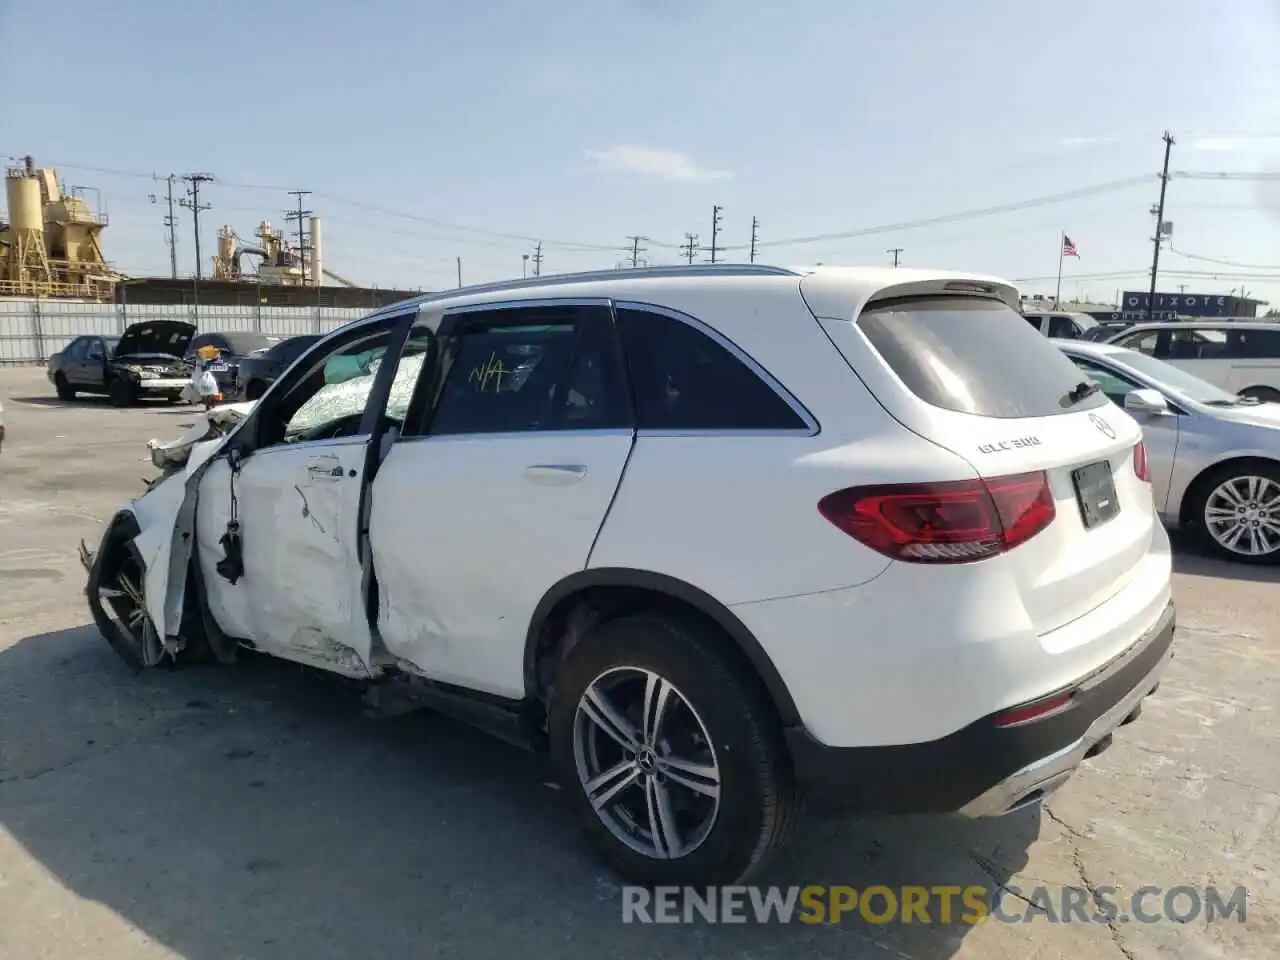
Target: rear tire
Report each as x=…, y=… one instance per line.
x=120, y=393
x=1235, y=512
x=705, y=794
x=64, y=390
x=255, y=390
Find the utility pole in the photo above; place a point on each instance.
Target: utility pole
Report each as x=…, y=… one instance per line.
x=896, y=251
x=715, y=231
x=755, y=238
x=636, y=250
x=170, y=225
x=192, y=203
x=1155, y=256
x=537, y=260
x=524, y=265
x=459, y=272
x=300, y=215
x=690, y=248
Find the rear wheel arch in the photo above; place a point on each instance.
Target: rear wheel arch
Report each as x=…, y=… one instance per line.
x=568, y=610
x=1262, y=392
x=1198, y=486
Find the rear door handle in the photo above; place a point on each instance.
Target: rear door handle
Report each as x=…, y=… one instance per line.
x=324, y=467
x=555, y=473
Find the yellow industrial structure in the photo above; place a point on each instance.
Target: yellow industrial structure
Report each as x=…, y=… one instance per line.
x=50, y=245
x=280, y=265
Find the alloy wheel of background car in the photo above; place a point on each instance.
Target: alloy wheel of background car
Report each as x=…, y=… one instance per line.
x=1241, y=515
x=646, y=762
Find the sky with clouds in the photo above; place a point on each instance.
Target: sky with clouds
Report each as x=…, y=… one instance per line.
x=969, y=135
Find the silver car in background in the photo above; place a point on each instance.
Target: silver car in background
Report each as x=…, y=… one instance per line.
x=1214, y=457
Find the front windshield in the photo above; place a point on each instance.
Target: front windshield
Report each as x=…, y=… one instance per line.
x=1175, y=378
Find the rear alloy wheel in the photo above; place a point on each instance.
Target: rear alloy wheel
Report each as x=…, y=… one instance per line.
x=1239, y=513
x=64, y=390
x=670, y=754
x=120, y=393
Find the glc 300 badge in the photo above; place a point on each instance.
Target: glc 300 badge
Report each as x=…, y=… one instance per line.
x=1103, y=427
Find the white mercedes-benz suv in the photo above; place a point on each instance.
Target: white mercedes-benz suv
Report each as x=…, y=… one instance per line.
x=721, y=539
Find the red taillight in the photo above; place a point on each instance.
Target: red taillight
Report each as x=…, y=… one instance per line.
x=1141, y=465
x=1035, y=710
x=950, y=522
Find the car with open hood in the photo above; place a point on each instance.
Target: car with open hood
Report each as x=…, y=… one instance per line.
x=234, y=348
x=143, y=362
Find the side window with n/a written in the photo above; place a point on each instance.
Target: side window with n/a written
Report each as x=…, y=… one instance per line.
x=540, y=368
x=683, y=379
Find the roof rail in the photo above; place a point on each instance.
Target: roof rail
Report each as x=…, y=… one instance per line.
x=625, y=273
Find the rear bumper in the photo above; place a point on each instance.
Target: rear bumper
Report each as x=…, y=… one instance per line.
x=984, y=769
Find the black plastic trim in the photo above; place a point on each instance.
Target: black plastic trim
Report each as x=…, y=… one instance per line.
x=676, y=589
x=942, y=776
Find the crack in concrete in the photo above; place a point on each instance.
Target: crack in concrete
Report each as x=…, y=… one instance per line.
x=1077, y=860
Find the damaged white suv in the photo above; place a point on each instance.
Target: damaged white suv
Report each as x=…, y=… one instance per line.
x=721, y=539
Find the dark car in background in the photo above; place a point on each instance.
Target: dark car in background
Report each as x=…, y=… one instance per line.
x=145, y=361
x=234, y=346
x=259, y=371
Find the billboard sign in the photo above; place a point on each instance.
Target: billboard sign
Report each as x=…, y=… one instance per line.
x=1169, y=306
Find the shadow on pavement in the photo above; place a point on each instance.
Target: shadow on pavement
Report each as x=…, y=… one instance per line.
x=254, y=812
x=1190, y=558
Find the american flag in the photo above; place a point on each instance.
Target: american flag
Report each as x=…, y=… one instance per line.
x=1069, y=248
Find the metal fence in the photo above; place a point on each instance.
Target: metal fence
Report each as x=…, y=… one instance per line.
x=32, y=330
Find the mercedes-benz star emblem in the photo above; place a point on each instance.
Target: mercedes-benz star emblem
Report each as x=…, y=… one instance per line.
x=1103, y=427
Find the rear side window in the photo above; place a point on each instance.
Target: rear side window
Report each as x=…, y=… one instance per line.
x=1062, y=328
x=1254, y=344
x=682, y=379
x=973, y=356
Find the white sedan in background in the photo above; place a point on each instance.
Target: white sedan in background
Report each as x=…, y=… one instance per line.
x=1214, y=457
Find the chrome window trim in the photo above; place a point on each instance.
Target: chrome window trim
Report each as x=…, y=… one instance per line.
x=811, y=428
x=349, y=441
x=526, y=304
x=519, y=434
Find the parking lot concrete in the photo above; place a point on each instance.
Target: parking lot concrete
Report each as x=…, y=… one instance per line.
x=256, y=813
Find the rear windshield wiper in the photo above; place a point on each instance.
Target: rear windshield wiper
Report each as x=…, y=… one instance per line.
x=1081, y=391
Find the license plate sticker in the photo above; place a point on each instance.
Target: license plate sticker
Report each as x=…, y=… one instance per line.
x=1096, y=493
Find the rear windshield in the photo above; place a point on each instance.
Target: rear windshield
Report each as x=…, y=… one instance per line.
x=243, y=344
x=974, y=356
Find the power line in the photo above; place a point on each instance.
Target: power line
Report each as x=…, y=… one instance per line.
x=299, y=215
x=689, y=249
x=975, y=214
x=171, y=225
x=715, y=230
x=1239, y=175
x=192, y=203
x=1228, y=263
x=636, y=250
x=1160, y=225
